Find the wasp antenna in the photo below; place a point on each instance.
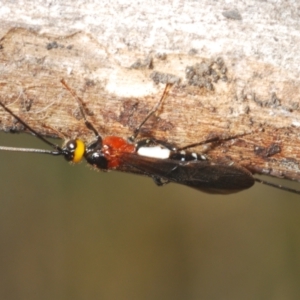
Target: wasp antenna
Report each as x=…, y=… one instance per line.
x=278, y=186
x=30, y=150
x=39, y=136
x=152, y=111
x=88, y=124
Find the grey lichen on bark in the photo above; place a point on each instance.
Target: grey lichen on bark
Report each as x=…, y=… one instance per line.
x=232, y=76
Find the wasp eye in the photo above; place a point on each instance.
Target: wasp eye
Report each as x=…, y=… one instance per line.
x=71, y=145
x=74, y=150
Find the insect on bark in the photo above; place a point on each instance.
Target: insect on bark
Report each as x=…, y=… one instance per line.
x=160, y=160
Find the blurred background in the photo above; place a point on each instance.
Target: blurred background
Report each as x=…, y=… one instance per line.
x=67, y=232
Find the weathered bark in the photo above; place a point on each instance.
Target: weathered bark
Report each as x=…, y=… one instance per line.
x=235, y=73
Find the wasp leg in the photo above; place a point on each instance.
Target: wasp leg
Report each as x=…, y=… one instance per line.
x=159, y=181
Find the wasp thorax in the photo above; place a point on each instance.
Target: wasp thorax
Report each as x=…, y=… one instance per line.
x=97, y=159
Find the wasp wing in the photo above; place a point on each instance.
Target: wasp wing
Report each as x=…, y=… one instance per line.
x=202, y=175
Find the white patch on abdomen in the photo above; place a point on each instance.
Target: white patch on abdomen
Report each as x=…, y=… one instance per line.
x=154, y=152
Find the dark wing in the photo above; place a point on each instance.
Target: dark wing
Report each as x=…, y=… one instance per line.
x=202, y=175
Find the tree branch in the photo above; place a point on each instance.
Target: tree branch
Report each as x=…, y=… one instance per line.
x=219, y=89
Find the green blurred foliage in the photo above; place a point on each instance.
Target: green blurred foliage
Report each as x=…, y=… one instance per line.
x=67, y=232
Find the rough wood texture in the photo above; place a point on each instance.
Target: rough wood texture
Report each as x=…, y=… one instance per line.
x=236, y=69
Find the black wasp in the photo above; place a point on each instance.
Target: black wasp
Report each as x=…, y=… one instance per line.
x=157, y=159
